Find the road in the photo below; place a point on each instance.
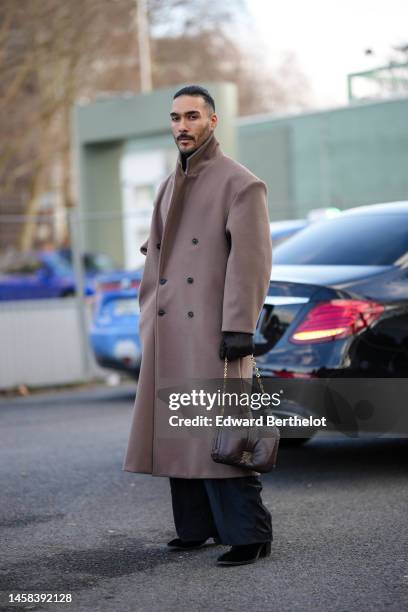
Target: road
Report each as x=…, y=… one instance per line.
x=71, y=521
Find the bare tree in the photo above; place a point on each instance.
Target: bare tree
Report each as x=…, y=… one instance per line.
x=51, y=53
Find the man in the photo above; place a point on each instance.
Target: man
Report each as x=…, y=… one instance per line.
x=208, y=264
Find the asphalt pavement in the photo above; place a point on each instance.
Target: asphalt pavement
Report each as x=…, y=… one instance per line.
x=72, y=522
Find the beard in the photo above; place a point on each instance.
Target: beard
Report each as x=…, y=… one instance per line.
x=196, y=141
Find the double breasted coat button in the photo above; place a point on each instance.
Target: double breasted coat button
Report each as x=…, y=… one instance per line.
x=161, y=312
x=194, y=240
x=163, y=281
x=190, y=279
x=190, y=314
x=158, y=245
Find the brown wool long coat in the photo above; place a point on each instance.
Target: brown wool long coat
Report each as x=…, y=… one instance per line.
x=208, y=265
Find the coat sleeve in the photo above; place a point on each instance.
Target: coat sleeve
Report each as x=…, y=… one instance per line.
x=249, y=262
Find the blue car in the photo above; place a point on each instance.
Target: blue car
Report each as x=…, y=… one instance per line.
x=38, y=274
x=94, y=263
x=114, y=333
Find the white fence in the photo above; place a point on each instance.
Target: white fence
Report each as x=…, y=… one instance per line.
x=42, y=343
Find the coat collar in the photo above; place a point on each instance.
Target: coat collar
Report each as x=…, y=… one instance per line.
x=205, y=153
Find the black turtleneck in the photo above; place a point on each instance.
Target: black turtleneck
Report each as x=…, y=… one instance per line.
x=184, y=157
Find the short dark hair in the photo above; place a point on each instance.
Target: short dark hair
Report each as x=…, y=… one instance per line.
x=196, y=90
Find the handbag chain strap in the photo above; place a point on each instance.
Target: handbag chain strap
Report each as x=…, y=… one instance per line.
x=257, y=373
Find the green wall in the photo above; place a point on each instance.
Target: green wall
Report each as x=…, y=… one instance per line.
x=343, y=157
x=101, y=222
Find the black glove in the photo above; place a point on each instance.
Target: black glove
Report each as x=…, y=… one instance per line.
x=236, y=344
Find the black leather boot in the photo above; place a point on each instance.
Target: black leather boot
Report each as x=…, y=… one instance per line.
x=178, y=544
x=248, y=553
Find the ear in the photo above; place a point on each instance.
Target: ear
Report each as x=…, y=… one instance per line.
x=213, y=121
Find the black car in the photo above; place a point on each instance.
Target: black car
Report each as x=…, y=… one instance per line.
x=337, y=304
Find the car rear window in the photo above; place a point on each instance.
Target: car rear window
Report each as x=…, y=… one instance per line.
x=356, y=240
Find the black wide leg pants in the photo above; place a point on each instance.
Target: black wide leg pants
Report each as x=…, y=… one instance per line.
x=230, y=509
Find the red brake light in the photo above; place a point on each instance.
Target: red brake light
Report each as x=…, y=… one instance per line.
x=108, y=286
x=336, y=319
x=290, y=374
x=118, y=285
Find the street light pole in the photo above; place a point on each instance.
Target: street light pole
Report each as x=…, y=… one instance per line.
x=144, y=47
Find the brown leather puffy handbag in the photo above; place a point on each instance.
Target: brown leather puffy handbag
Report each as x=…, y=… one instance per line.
x=252, y=447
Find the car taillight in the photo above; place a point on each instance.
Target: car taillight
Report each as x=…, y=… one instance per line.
x=336, y=319
x=117, y=285
x=289, y=374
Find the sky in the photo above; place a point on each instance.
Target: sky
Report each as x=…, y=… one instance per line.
x=329, y=38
